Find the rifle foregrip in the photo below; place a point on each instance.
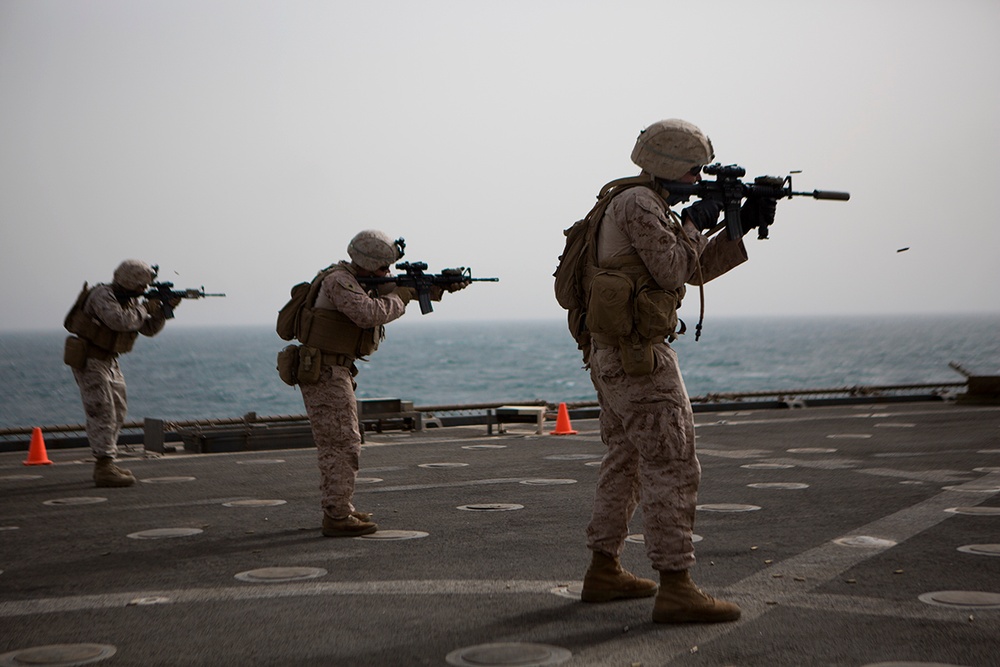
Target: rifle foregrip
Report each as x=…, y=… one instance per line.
x=831, y=194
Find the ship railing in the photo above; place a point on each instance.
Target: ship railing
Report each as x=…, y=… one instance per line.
x=416, y=417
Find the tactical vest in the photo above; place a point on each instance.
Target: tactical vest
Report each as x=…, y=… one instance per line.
x=332, y=331
x=622, y=297
x=96, y=333
x=624, y=301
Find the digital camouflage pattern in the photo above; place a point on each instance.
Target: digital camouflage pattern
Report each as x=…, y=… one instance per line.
x=372, y=250
x=102, y=388
x=333, y=416
x=330, y=403
x=134, y=274
x=646, y=421
x=101, y=383
x=670, y=148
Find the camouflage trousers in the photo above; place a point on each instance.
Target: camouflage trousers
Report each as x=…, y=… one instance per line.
x=102, y=388
x=333, y=415
x=648, y=427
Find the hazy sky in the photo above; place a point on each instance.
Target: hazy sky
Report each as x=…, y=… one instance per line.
x=241, y=144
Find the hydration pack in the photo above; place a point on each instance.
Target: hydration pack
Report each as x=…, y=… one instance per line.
x=580, y=255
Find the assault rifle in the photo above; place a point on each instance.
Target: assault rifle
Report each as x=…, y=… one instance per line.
x=165, y=292
x=415, y=277
x=730, y=190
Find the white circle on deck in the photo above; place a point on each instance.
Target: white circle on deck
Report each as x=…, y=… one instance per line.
x=254, y=503
x=894, y=425
x=58, y=655
x=491, y=507
x=639, y=538
x=394, y=535
x=508, y=655
x=368, y=480
x=812, y=450
x=849, y=436
x=962, y=599
x=484, y=447
x=164, y=533
x=10, y=527
x=281, y=574
x=778, y=485
x=977, y=511
x=988, y=451
x=910, y=664
x=973, y=488
x=442, y=465
x=166, y=480
x=865, y=542
x=573, y=457
x=986, y=470
x=88, y=500
x=727, y=507
x=18, y=477
x=595, y=464
x=142, y=602
x=901, y=455
x=260, y=461
x=541, y=481
x=981, y=549
x=767, y=466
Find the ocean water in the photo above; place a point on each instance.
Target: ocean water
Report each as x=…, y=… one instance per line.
x=186, y=373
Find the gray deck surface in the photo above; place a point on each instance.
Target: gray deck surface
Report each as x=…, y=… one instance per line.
x=882, y=476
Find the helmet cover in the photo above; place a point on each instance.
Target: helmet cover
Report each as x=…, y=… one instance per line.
x=373, y=250
x=134, y=275
x=668, y=149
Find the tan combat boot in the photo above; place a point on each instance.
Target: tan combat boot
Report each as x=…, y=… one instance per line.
x=352, y=525
x=680, y=601
x=606, y=580
x=107, y=474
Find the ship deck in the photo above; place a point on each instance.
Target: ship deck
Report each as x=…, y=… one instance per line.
x=850, y=535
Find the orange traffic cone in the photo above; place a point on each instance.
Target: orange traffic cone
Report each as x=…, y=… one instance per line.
x=37, y=455
x=563, y=426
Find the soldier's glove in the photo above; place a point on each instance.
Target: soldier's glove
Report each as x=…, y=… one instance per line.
x=459, y=275
x=759, y=211
x=406, y=294
x=703, y=214
x=154, y=308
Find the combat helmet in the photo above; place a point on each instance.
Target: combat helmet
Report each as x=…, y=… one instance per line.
x=373, y=250
x=134, y=275
x=670, y=148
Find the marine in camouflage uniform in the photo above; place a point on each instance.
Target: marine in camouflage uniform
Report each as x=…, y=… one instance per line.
x=646, y=419
x=354, y=321
x=106, y=319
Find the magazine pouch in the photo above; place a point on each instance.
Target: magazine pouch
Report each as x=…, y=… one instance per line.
x=288, y=365
x=75, y=353
x=310, y=364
